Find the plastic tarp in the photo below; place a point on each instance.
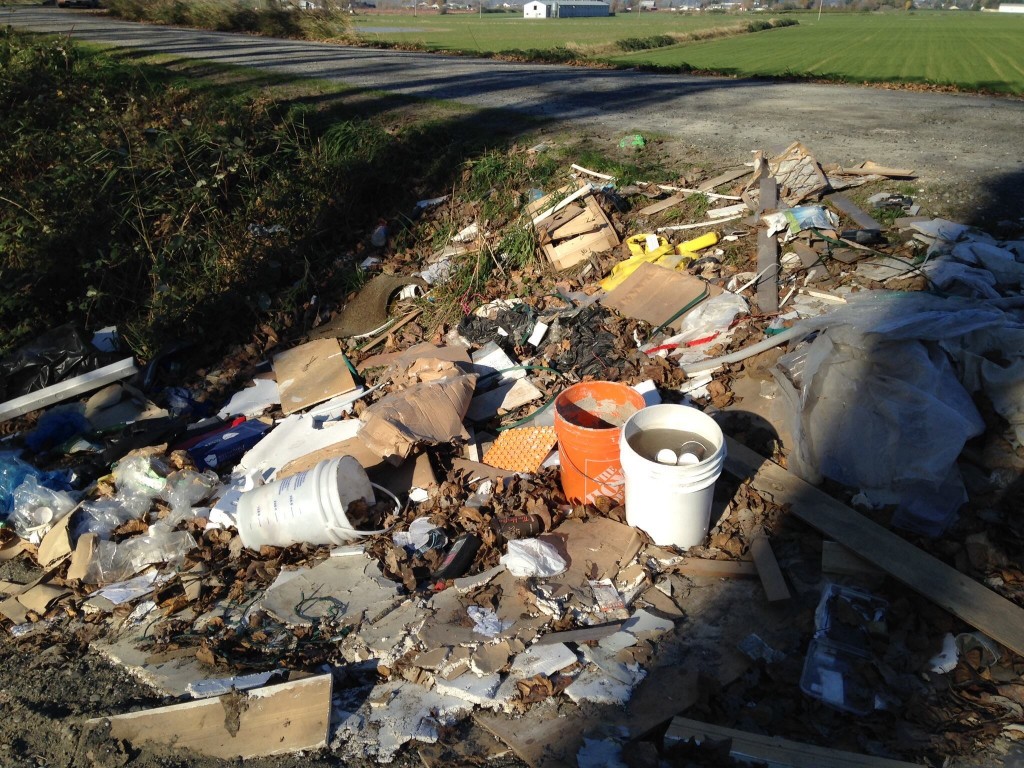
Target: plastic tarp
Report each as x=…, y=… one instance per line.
x=58, y=354
x=881, y=398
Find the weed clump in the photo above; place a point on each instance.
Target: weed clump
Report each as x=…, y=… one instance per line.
x=645, y=43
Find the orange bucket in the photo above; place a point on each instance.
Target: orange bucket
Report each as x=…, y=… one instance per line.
x=588, y=423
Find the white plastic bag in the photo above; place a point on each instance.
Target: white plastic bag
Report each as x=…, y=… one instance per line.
x=37, y=509
x=532, y=557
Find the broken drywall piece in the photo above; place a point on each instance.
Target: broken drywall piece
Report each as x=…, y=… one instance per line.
x=595, y=685
x=252, y=401
x=504, y=398
x=311, y=373
x=275, y=720
x=467, y=583
x=412, y=713
x=337, y=587
x=618, y=642
x=542, y=660
x=642, y=623
x=490, y=658
x=491, y=360
x=478, y=691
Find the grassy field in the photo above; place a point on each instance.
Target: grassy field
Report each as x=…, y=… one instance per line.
x=970, y=51
x=493, y=33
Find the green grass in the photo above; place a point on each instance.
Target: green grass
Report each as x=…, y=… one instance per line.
x=969, y=51
x=494, y=33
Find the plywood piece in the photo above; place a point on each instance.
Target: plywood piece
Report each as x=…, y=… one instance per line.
x=724, y=178
x=521, y=450
x=661, y=205
x=312, y=373
x=772, y=750
x=768, y=269
x=768, y=570
x=838, y=560
x=716, y=569
x=853, y=212
x=275, y=720
x=945, y=586
x=656, y=295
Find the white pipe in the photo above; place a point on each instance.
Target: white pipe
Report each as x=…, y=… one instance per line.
x=589, y=172
x=698, y=225
x=771, y=342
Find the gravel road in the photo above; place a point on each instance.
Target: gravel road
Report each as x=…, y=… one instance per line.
x=971, y=147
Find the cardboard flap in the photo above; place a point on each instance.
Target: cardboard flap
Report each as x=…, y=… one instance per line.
x=312, y=373
x=654, y=294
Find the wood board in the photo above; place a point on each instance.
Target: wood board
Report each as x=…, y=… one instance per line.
x=588, y=233
x=945, y=586
x=768, y=269
x=275, y=720
x=772, y=750
x=768, y=570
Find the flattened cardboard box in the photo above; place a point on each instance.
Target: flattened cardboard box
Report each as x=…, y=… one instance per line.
x=311, y=373
x=653, y=294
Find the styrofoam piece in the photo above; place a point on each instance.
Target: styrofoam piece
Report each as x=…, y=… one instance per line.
x=543, y=660
x=650, y=392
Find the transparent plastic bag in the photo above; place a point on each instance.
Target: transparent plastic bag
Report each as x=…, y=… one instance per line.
x=183, y=490
x=37, y=509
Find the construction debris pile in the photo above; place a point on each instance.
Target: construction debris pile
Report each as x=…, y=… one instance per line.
x=403, y=535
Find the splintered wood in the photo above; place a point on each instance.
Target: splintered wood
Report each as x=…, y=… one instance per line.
x=521, y=450
x=568, y=232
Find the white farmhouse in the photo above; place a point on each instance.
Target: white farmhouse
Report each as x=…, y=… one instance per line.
x=536, y=10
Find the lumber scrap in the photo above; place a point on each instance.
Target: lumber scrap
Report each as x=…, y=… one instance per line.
x=768, y=273
x=853, y=211
x=65, y=390
x=661, y=205
x=274, y=720
x=724, y=178
x=716, y=569
x=768, y=570
x=945, y=586
x=773, y=750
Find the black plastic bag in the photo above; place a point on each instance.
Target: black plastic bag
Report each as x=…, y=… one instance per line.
x=59, y=354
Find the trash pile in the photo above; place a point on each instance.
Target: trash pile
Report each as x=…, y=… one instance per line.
x=576, y=515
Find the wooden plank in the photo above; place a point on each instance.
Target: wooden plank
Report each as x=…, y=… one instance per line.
x=853, y=211
x=716, y=569
x=768, y=197
x=870, y=168
x=768, y=570
x=945, y=586
x=768, y=271
x=773, y=750
x=275, y=720
x=546, y=229
x=571, y=252
x=661, y=205
x=65, y=390
x=724, y=178
x=585, y=635
x=838, y=560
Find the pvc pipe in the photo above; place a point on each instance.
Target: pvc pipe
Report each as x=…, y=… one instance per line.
x=755, y=349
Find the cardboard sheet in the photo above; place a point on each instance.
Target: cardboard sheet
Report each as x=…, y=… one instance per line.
x=653, y=294
x=402, y=360
x=430, y=413
x=311, y=373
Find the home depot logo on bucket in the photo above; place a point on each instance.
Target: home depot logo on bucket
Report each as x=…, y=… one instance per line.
x=609, y=483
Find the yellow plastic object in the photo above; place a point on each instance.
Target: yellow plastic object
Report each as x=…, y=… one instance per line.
x=662, y=255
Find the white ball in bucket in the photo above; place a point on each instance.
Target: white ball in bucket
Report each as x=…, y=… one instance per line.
x=666, y=456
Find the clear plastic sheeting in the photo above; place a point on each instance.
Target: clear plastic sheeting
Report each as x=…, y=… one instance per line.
x=117, y=562
x=881, y=398
x=37, y=509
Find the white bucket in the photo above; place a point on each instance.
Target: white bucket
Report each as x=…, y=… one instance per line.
x=306, y=508
x=671, y=503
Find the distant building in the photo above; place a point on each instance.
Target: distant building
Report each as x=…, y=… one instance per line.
x=565, y=9
x=574, y=9
x=1011, y=7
